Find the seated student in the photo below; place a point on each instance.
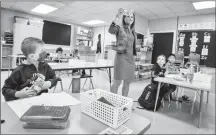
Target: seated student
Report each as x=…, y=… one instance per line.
x=171, y=68
x=59, y=52
x=77, y=56
x=159, y=70
x=21, y=79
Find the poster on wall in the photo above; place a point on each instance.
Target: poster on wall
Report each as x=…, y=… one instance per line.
x=207, y=37
x=181, y=39
x=197, y=26
x=181, y=50
x=194, y=39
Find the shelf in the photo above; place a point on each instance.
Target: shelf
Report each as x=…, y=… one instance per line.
x=147, y=46
x=4, y=56
x=85, y=39
x=145, y=51
x=84, y=36
x=7, y=44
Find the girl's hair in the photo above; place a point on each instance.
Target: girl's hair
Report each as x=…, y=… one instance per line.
x=132, y=25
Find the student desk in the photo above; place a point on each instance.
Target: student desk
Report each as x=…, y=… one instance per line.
x=195, y=85
x=80, y=123
x=87, y=65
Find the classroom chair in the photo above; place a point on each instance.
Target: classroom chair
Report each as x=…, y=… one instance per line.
x=58, y=80
x=194, y=59
x=179, y=59
x=81, y=77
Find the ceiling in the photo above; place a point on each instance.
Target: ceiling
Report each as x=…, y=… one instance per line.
x=80, y=11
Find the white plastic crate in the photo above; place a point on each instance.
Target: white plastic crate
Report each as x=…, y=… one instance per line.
x=109, y=115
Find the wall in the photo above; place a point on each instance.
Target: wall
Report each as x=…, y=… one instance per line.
x=170, y=24
x=141, y=26
x=7, y=20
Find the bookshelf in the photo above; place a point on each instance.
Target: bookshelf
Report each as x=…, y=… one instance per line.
x=6, y=49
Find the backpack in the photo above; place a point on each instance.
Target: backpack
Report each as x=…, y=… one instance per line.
x=148, y=97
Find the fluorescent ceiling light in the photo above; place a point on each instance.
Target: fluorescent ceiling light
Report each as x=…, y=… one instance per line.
x=93, y=22
x=43, y=9
x=204, y=5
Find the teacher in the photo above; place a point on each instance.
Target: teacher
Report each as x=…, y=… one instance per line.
x=124, y=65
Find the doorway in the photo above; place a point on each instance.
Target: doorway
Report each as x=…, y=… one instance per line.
x=163, y=43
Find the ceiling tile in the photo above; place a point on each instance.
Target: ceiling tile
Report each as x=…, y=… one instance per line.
x=186, y=13
x=206, y=11
x=25, y=6
x=151, y=5
x=96, y=10
x=54, y=4
x=186, y=7
x=176, y=3
x=7, y=4
x=144, y=13
x=161, y=10
x=151, y=17
x=166, y=15
x=96, y=3
x=79, y=5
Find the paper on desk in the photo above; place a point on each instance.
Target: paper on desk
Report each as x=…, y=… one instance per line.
x=48, y=99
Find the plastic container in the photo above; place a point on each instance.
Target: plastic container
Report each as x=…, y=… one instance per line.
x=109, y=115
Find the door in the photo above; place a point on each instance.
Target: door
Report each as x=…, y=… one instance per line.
x=163, y=43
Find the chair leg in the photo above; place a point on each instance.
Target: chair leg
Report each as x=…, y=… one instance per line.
x=176, y=96
x=162, y=102
x=92, y=84
x=84, y=83
x=182, y=94
x=55, y=88
x=169, y=100
x=207, y=96
x=70, y=83
x=62, y=86
x=194, y=100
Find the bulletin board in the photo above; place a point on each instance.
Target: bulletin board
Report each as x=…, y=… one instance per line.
x=201, y=42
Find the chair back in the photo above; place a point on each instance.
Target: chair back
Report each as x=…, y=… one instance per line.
x=194, y=58
x=179, y=57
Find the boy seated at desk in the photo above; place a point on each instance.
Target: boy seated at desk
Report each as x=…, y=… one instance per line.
x=171, y=68
x=159, y=69
x=18, y=84
x=59, y=52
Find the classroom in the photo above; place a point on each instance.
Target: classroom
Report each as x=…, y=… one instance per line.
x=108, y=67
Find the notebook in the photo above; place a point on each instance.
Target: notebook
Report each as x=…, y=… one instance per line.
x=38, y=113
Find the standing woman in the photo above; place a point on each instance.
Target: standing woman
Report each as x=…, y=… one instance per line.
x=124, y=65
x=99, y=44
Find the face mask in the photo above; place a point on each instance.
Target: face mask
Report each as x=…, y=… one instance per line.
x=42, y=56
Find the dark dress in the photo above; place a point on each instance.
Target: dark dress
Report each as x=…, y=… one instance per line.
x=124, y=64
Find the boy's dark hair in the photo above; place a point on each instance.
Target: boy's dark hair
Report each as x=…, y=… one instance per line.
x=59, y=50
x=30, y=44
x=171, y=54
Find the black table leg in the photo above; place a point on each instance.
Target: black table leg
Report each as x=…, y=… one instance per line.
x=110, y=77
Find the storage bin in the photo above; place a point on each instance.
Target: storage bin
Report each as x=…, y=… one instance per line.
x=109, y=115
